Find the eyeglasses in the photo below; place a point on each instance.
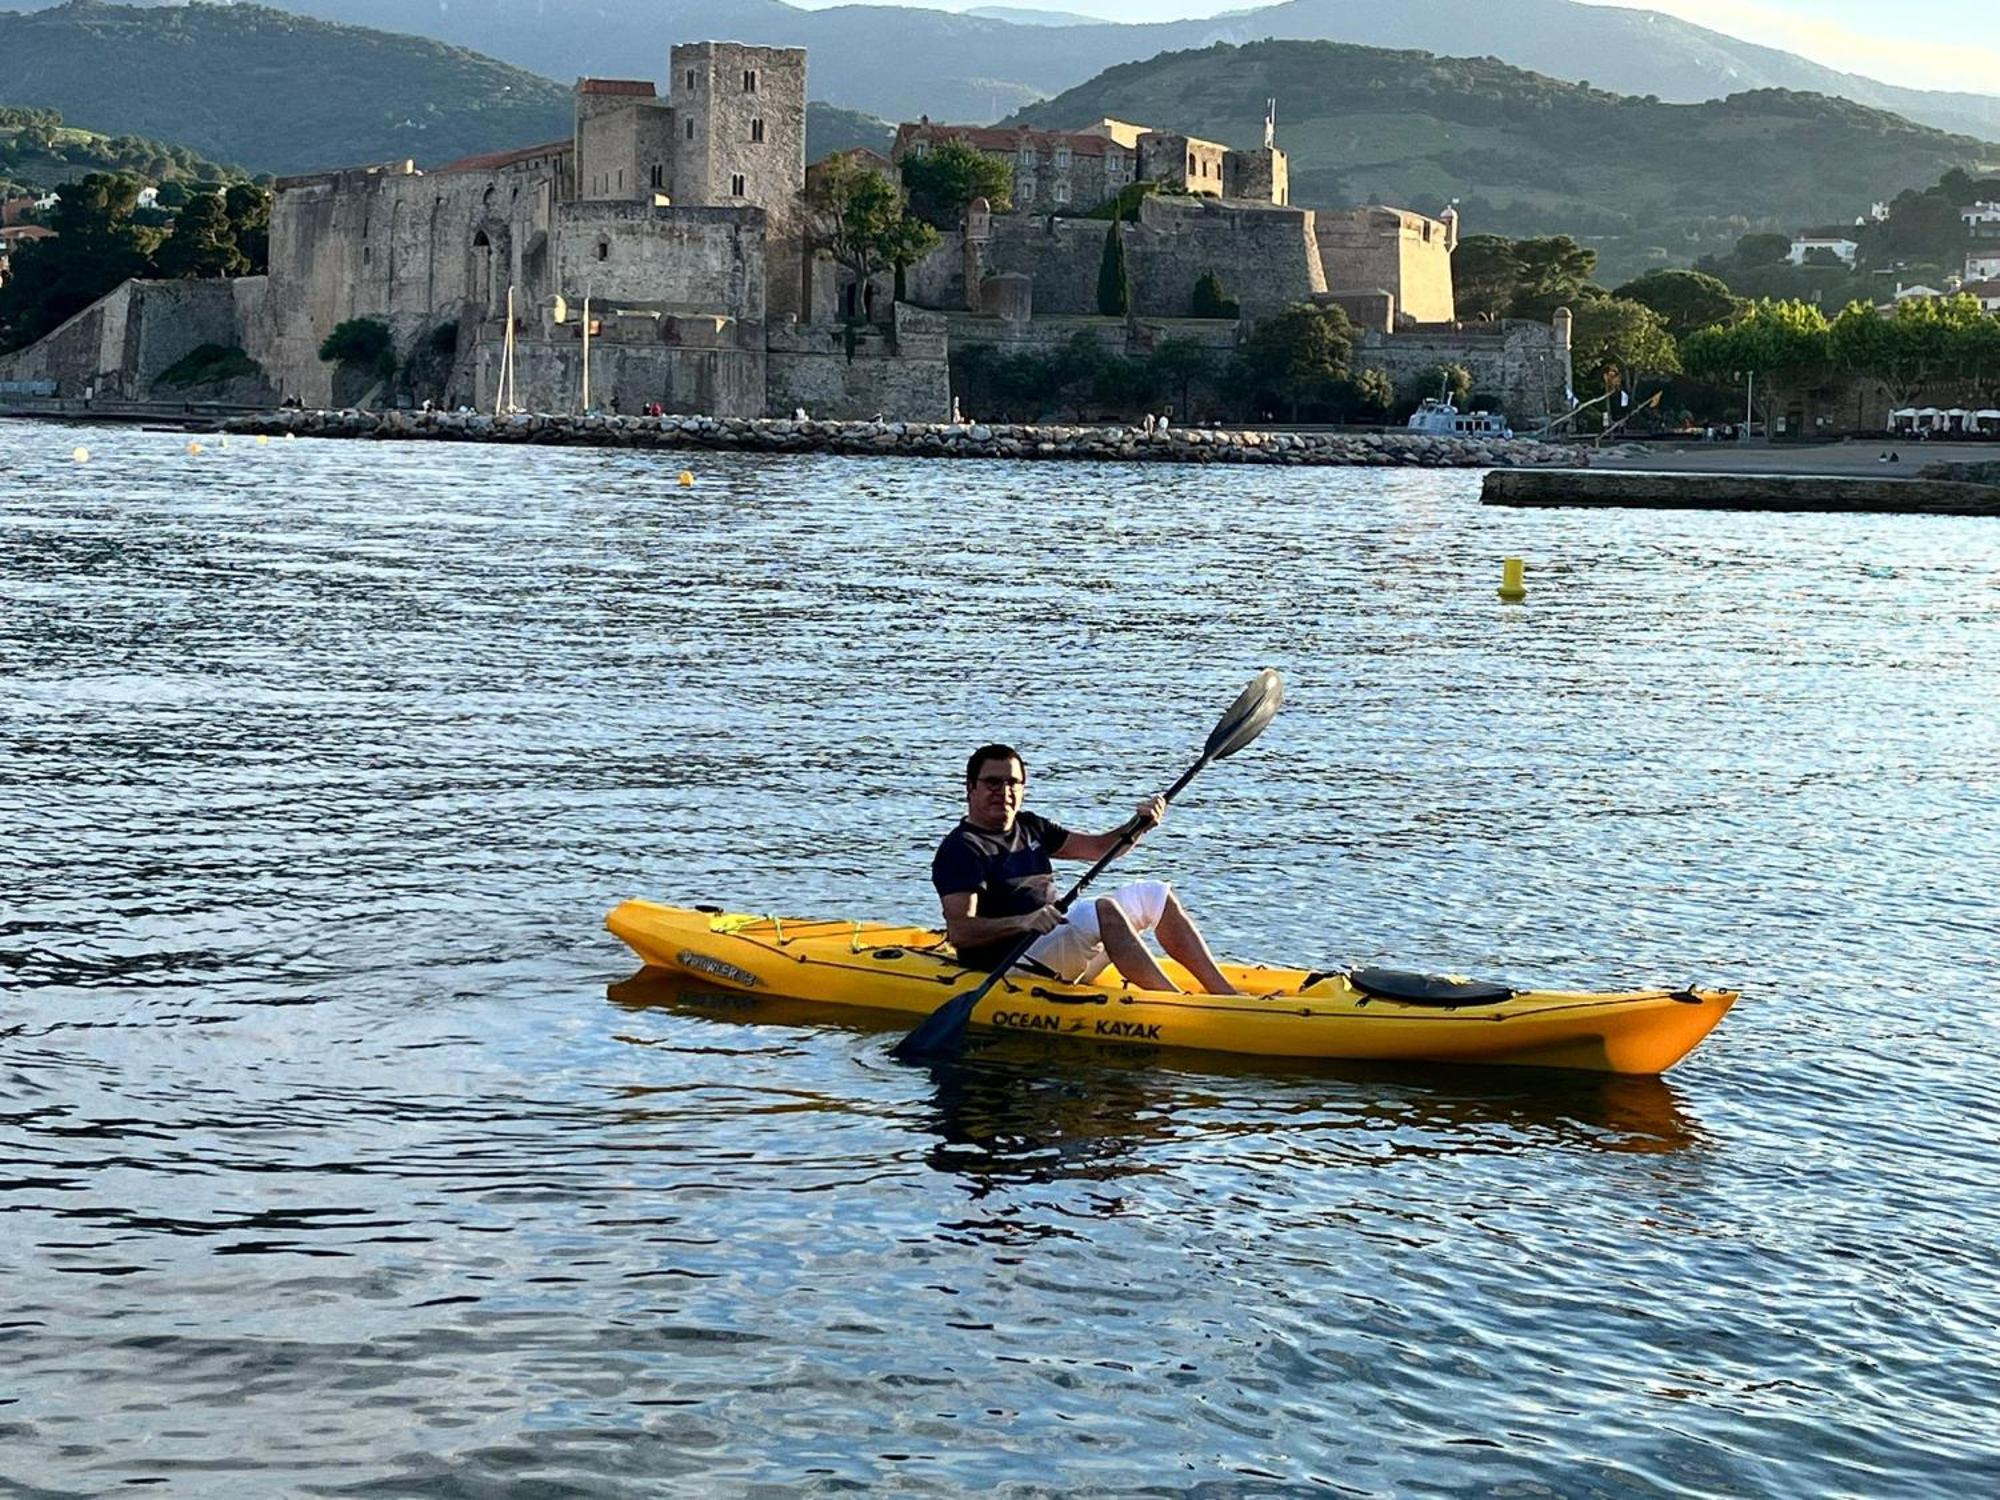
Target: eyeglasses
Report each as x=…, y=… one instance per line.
x=994, y=783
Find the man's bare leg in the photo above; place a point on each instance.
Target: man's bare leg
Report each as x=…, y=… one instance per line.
x=1178, y=935
x=1184, y=945
x=1127, y=951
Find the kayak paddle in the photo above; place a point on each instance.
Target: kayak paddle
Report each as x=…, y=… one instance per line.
x=942, y=1032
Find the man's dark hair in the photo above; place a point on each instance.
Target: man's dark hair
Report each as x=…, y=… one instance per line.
x=992, y=752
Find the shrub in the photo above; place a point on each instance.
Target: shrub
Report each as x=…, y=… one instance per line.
x=1209, y=301
x=363, y=343
x=209, y=364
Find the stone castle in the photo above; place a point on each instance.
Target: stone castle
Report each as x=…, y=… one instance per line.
x=679, y=223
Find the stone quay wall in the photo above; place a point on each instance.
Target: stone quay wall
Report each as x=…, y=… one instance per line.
x=918, y=439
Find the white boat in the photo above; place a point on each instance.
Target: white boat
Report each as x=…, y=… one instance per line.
x=1440, y=418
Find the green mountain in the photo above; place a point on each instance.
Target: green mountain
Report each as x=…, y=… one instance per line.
x=37, y=151
x=902, y=60
x=282, y=93
x=1643, y=182
x=275, y=91
x=829, y=128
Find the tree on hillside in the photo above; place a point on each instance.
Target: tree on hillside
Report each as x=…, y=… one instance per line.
x=97, y=247
x=202, y=244
x=1684, y=300
x=1298, y=357
x=1484, y=274
x=1554, y=272
x=1495, y=277
x=944, y=181
x=249, y=210
x=857, y=220
x=1114, y=283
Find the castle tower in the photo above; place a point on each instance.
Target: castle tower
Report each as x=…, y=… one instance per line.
x=739, y=138
x=623, y=141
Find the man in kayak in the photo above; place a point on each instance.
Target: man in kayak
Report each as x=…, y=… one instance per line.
x=993, y=875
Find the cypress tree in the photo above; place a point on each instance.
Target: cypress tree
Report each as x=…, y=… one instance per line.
x=1114, y=286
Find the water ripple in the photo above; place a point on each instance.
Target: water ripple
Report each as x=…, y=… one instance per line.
x=327, y=1167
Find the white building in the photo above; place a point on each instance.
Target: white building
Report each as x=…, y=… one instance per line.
x=1988, y=293
x=1981, y=217
x=1804, y=244
x=149, y=197
x=1911, y=293
x=47, y=201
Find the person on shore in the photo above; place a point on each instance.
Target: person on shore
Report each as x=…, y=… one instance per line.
x=995, y=881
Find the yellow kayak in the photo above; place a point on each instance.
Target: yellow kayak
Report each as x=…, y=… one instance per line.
x=1363, y=1013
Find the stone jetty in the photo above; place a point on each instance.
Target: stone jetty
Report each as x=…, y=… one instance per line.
x=1188, y=445
x=1763, y=492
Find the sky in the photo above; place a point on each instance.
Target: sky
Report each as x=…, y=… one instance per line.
x=1957, y=45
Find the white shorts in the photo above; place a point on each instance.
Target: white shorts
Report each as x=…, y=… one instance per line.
x=1075, y=950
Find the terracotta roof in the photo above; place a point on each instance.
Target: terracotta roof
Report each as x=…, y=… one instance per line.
x=494, y=161
x=23, y=232
x=1987, y=288
x=641, y=88
x=1009, y=139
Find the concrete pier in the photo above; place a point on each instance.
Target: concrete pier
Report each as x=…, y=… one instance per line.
x=1760, y=492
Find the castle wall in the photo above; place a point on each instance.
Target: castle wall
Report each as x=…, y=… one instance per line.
x=1044, y=335
x=118, y=346
x=1522, y=364
x=1391, y=250
x=1265, y=256
x=410, y=251
x=900, y=375
x=695, y=260
x=723, y=378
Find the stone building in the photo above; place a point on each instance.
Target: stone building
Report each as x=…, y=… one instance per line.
x=1073, y=171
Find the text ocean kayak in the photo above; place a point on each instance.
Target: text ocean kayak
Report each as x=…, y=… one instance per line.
x=1374, y=1014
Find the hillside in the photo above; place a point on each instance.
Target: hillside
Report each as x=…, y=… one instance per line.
x=282, y=94
x=37, y=151
x=275, y=91
x=900, y=61
x=1643, y=182
x=831, y=129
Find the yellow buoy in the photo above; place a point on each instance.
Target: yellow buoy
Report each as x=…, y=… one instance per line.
x=80, y=454
x=262, y=439
x=686, y=478
x=1512, y=589
x=194, y=447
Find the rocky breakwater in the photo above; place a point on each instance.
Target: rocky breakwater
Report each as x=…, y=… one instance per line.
x=918, y=439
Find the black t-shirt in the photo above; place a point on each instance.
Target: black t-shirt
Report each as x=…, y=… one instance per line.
x=1009, y=872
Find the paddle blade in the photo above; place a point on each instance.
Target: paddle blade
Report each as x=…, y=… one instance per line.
x=942, y=1032
x=1254, y=708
